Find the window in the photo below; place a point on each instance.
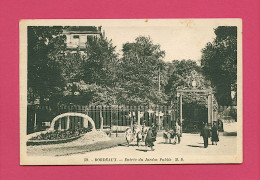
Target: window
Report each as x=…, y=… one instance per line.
x=76, y=36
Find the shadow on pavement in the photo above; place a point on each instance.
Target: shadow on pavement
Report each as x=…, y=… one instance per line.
x=166, y=143
x=195, y=146
x=130, y=145
x=143, y=150
x=125, y=144
x=208, y=144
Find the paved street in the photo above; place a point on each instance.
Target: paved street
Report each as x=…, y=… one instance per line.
x=191, y=144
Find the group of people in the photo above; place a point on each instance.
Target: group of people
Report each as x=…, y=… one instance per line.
x=173, y=134
x=206, y=133
x=143, y=133
x=148, y=134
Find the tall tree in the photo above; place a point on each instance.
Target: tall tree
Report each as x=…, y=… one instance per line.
x=219, y=62
x=45, y=49
x=100, y=64
x=139, y=72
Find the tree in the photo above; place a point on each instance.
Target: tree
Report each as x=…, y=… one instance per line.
x=71, y=66
x=90, y=75
x=138, y=73
x=45, y=50
x=219, y=63
x=182, y=74
x=81, y=93
x=100, y=62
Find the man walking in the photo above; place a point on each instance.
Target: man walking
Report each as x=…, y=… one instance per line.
x=205, y=133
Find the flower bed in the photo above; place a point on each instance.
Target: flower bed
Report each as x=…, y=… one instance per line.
x=54, y=137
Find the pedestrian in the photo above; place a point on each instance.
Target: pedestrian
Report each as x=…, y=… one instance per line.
x=138, y=135
x=154, y=130
x=205, y=133
x=167, y=135
x=214, y=131
x=128, y=136
x=143, y=132
x=149, y=139
x=178, y=132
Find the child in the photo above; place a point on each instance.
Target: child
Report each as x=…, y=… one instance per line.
x=128, y=135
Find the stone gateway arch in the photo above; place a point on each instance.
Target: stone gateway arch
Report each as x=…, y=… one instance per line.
x=212, y=106
x=85, y=117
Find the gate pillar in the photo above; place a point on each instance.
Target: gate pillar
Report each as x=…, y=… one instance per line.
x=210, y=109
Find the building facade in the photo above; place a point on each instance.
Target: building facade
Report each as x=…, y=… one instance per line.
x=77, y=36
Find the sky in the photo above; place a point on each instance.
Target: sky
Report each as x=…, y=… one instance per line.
x=179, y=42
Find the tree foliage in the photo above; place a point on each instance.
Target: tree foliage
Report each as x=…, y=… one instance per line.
x=71, y=66
x=81, y=93
x=219, y=62
x=100, y=63
x=97, y=76
x=138, y=73
x=181, y=75
x=45, y=49
x=91, y=74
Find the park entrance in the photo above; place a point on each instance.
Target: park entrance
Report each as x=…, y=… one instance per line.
x=211, y=103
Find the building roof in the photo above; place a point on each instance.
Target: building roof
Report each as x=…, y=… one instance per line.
x=82, y=30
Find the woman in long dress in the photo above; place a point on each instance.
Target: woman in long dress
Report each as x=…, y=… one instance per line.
x=149, y=139
x=214, y=131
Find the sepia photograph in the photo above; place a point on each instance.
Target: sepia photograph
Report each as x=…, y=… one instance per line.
x=130, y=91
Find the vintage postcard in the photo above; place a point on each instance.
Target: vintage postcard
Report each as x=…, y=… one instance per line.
x=130, y=91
